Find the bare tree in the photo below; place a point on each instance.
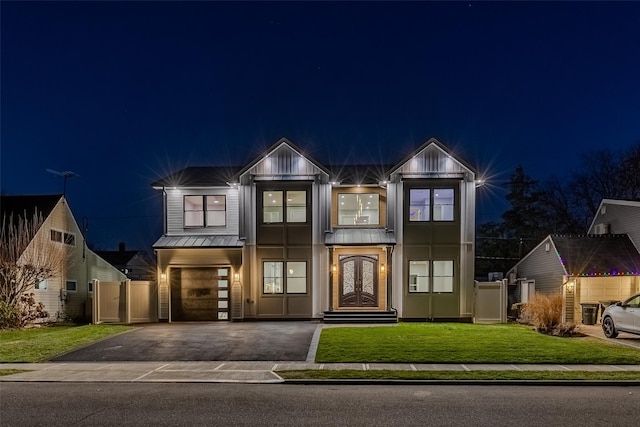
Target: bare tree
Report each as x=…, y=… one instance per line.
x=26, y=257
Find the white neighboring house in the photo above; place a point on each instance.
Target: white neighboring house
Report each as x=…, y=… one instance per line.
x=68, y=293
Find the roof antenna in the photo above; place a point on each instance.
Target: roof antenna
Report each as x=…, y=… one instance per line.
x=64, y=175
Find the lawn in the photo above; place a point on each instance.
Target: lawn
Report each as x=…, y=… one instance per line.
x=41, y=344
x=464, y=343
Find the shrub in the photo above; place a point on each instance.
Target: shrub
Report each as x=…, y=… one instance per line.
x=25, y=311
x=544, y=312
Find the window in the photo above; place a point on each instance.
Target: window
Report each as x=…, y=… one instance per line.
x=359, y=209
x=56, y=236
x=275, y=204
x=90, y=286
x=69, y=239
x=41, y=286
x=431, y=204
x=71, y=286
x=418, y=276
x=205, y=211
x=275, y=282
x=443, y=204
x=419, y=204
x=431, y=276
x=442, y=276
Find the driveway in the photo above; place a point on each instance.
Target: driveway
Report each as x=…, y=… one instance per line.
x=217, y=341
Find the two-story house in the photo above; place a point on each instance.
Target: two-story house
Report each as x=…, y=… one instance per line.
x=285, y=237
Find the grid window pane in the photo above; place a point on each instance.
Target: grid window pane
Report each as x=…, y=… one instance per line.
x=419, y=204
x=193, y=211
x=418, y=276
x=272, y=277
x=296, y=277
x=272, y=206
x=296, y=206
x=443, y=204
x=216, y=211
x=442, y=276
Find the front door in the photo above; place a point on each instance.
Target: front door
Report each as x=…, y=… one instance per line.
x=359, y=281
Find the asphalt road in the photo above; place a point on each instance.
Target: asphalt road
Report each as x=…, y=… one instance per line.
x=111, y=404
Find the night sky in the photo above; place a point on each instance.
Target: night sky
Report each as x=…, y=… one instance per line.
x=123, y=93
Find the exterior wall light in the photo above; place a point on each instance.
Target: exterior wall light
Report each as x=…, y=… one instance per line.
x=163, y=277
x=570, y=286
x=334, y=268
x=236, y=277
x=382, y=268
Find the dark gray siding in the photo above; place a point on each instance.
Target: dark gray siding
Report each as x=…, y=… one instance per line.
x=542, y=266
x=620, y=219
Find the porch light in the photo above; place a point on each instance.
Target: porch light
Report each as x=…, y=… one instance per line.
x=236, y=277
x=334, y=268
x=163, y=277
x=382, y=268
x=570, y=287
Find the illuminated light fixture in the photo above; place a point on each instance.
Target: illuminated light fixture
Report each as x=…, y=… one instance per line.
x=163, y=277
x=236, y=276
x=291, y=271
x=334, y=268
x=570, y=287
x=382, y=267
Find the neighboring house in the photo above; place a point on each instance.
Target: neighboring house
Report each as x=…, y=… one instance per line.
x=618, y=217
x=68, y=293
x=600, y=267
x=593, y=269
x=134, y=264
x=285, y=237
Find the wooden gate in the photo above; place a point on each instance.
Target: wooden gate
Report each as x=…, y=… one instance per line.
x=125, y=302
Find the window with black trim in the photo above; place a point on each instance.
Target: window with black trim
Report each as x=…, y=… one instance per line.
x=205, y=211
x=277, y=280
x=431, y=204
x=71, y=286
x=276, y=203
x=435, y=276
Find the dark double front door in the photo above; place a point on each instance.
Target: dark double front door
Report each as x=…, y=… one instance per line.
x=358, y=281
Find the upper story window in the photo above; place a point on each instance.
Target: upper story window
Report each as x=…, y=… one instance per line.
x=63, y=237
x=435, y=204
x=359, y=209
x=205, y=211
x=275, y=204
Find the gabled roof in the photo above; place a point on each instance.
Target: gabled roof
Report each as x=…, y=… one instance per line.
x=279, y=146
x=629, y=203
x=593, y=255
x=199, y=176
x=12, y=207
x=435, y=159
x=117, y=258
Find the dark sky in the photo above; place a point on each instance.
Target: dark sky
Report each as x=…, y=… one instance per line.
x=122, y=93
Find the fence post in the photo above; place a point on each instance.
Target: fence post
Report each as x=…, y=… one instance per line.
x=127, y=300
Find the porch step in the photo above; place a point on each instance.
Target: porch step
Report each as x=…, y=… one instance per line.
x=360, y=317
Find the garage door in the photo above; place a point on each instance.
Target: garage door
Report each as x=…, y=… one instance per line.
x=595, y=289
x=200, y=293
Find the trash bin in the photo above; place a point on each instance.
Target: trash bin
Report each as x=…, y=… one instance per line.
x=589, y=313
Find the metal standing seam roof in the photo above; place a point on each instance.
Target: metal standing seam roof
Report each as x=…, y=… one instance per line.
x=359, y=236
x=197, y=241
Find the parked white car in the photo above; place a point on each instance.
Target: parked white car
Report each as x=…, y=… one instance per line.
x=622, y=317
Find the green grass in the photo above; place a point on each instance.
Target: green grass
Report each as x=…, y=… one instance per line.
x=41, y=344
x=464, y=343
x=461, y=375
x=4, y=372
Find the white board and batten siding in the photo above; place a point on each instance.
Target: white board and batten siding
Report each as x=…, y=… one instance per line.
x=175, y=211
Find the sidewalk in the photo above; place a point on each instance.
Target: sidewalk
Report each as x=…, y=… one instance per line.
x=259, y=372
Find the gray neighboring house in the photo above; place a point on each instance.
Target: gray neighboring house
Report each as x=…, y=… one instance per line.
x=596, y=268
x=133, y=263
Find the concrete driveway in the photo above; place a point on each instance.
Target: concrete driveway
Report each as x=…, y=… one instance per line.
x=228, y=341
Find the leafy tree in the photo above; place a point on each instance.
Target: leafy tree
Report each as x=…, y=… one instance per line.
x=26, y=259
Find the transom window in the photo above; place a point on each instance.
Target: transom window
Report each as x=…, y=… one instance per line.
x=275, y=204
x=431, y=276
x=359, y=209
x=275, y=281
x=426, y=204
x=205, y=211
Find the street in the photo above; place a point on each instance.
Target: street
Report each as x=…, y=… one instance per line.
x=173, y=404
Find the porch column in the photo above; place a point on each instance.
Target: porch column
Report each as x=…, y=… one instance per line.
x=330, y=278
x=389, y=278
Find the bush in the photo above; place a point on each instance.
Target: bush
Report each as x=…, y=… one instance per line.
x=544, y=312
x=26, y=311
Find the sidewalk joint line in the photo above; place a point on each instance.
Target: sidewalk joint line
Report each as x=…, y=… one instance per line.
x=219, y=366
x=465, y=368
x=151, y=372
x=413, y=367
